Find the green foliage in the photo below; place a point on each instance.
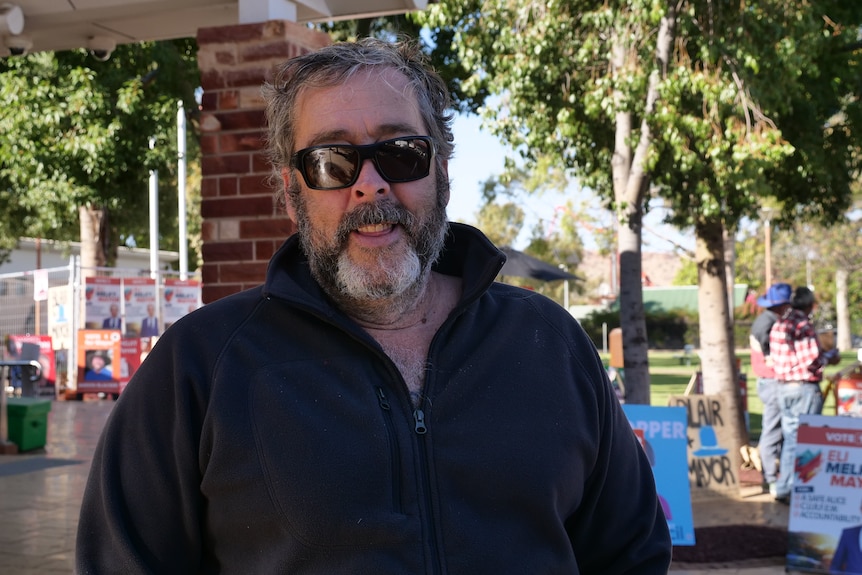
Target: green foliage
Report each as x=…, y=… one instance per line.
x=501, y=222
x=741, y=108
x=76, y=133
x=687, y=274
x=668, y=329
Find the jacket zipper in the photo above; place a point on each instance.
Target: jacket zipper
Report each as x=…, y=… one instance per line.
x=394, y=456
x=421, y=428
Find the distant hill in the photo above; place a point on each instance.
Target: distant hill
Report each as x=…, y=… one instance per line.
x=659, y=267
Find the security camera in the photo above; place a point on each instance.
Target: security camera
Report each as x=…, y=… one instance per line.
x=101, y=47
x=18, y=45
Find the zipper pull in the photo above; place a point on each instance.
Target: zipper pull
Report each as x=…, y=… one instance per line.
x=381, y=398
x=419, y=418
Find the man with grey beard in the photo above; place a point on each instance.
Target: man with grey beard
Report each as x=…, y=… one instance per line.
x=380, y=404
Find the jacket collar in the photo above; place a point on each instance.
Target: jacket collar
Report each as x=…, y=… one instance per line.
x=467, y=254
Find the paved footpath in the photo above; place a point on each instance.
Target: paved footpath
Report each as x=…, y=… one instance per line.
x=41, y=490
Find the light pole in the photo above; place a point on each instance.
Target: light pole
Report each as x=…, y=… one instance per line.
x=767, y=244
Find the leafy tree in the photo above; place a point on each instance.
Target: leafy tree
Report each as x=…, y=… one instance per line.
x=75, y=159
x=710, y=106
x=501, y=222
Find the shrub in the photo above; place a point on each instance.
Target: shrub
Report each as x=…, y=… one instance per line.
x=665, y=329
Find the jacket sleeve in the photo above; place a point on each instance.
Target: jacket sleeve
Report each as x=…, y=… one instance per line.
x=619, y=528
x=142, y=503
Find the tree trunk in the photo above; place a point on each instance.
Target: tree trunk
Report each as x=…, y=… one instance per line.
x=631, y=182
x=632, y=317
x=844, y=339
x=718, y=362
x=92, y=233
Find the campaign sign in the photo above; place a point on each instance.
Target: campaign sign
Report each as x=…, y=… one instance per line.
x=179, y=298
x=36, y=347
x=140, y=299
x=60, y=316
x=713, y=459
x=101, y=301
x=99, y=365
x=662, y=433
x=130, y=359
x=826, y=501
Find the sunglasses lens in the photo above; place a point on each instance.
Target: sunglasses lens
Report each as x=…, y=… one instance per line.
x=404, y=160
x=331, y=167
x=335, y=167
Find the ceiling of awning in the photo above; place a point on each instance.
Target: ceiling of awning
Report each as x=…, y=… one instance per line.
x=67, y=24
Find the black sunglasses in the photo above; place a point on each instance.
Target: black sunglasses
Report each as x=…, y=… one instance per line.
x=336, y=166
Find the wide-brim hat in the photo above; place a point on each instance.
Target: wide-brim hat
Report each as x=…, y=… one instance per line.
x=777, y=294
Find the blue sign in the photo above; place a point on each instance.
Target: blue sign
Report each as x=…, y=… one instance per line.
x=664, y=437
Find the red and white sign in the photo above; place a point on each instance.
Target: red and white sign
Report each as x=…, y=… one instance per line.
x=826, y=502
x=180, y=297
x=101, y=301
x=140, y=297
x=39, y=348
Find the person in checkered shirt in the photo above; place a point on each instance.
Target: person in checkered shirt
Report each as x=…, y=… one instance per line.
x=798, y=361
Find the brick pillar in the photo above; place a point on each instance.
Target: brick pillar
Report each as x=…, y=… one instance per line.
x=242, y=228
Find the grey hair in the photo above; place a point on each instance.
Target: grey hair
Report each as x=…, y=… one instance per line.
x=334, y=65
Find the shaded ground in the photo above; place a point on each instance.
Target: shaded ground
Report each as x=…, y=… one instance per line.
x=737, y=543
x=726, y=543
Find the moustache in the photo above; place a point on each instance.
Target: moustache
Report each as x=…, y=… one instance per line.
x=374, y=214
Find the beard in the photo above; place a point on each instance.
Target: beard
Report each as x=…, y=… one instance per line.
x=396, y=272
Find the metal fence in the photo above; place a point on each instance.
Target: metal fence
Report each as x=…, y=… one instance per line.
x=27, y=298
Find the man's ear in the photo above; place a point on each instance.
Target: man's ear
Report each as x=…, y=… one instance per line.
x=288, y=205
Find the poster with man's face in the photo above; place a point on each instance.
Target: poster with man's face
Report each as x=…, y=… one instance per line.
x=101, y=302
x=140, y=296
x=180, y=297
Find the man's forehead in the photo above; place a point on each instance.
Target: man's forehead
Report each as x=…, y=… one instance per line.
x=379, y=101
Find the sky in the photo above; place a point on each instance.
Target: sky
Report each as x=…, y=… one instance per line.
x=479, y=155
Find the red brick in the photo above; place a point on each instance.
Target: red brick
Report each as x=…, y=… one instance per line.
x=233, y=164
x=245, y=77
x=209, y=187
x=211, y=293
x=277, y=227
x=212, y=80
x=243, y=120
x=228, y=186
x=228, y=251
x=209, y=101
x=225, y=57
x=249, y=272
x=264, y=249
x=241, y=141
x=256, y=184
x=208, y=231
x=209, y=144
x=260, y=163
x=236, y=207
x=234, y=34
x=209, y=272
x=280, y=50
x=228, y=100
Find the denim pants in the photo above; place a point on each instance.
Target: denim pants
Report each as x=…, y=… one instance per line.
x=769, y=446
x=794, y=399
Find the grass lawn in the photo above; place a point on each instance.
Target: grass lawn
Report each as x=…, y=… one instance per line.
x=668, y=377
